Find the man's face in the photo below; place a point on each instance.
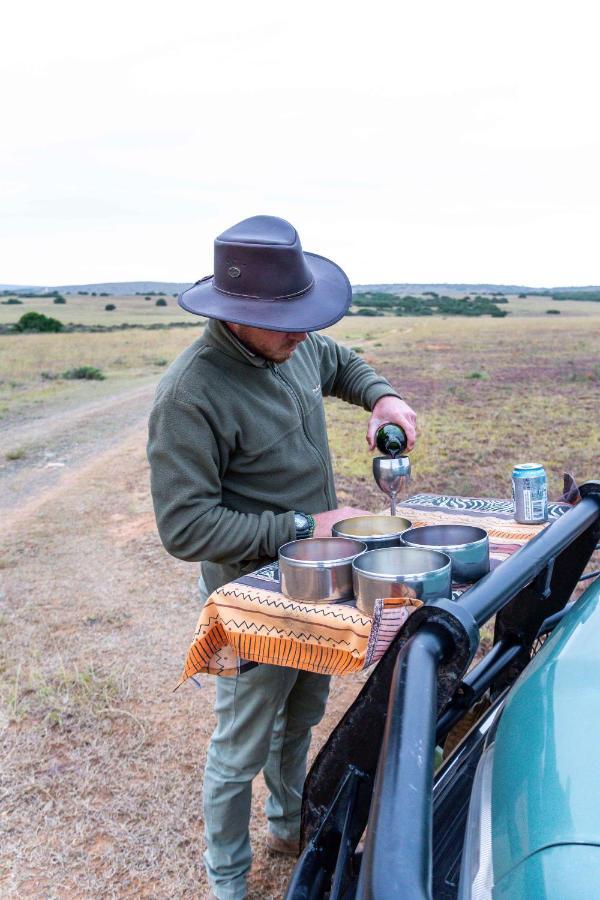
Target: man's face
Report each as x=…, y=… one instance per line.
x=276, y=346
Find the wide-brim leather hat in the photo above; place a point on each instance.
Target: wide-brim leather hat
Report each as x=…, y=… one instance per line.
x=263, y=278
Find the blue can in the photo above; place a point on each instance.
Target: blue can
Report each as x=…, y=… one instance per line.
x=530, y=494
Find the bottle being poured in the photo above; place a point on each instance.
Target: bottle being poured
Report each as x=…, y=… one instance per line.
x=391, y=440
x=392, y=470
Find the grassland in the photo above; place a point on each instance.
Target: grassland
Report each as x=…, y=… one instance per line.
x=91, y=310
x=102, y=763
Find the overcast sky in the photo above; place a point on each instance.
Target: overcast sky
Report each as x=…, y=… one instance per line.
x=412, y=142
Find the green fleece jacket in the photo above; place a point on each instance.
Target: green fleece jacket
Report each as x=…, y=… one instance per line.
x=237, y=443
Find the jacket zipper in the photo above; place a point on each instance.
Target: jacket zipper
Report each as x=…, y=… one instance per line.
x=298, y=404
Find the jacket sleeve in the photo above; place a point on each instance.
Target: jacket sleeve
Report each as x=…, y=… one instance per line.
x=186, y=492
x=345, y=375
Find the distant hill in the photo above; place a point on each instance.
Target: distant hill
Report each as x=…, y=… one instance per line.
x=468, y=288
x=119, y=288
x=116, y=288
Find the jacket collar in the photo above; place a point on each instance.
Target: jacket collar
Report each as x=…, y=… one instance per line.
x=218, y=335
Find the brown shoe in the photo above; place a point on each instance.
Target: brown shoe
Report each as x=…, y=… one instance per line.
x=282, y=846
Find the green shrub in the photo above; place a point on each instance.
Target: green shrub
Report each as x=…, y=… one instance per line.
x=59, y=299
x=12, y=301
x=498, y=313
x=109, y=307
x=17, y=453
x=89, y=373
x=357, y=349
x=161, y=302
x=566, y=294
x=33, y=321
x=553, y=312
x=483, y=376
x=368, y=312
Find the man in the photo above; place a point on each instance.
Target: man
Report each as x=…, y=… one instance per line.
x=239, y=466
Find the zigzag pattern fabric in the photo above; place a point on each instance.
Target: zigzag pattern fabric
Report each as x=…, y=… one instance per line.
x=249, y=621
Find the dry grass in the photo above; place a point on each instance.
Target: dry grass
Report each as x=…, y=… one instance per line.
x=31, y=364
x=91, y=311
x=102, y=763
x=538, y=401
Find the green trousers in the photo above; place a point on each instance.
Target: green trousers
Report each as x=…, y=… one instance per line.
x=264, y=721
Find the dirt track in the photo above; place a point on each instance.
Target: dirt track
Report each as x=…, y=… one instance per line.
x=102, y=761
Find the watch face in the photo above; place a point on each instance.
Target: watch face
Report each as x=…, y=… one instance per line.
x=300, y=521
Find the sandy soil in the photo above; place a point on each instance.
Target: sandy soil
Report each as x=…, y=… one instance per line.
x=102, y=762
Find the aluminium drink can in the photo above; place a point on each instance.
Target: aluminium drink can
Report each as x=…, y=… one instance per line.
x=530, y=494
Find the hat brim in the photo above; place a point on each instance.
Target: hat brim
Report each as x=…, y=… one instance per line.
x=323, y=304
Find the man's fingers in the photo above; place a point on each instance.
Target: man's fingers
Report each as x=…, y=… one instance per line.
x=411, y=434
x=372, y=431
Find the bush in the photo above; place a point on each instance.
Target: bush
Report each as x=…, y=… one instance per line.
x=498, y=313
x=12, y=301
x=553, y=312
x=33, y=321
x=89, y=373
x=147, y=298
x=161, y=302
x=109, y=307
x=59, y=299
x=368, y=312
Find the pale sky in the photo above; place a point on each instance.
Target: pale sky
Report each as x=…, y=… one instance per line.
x=408, y=141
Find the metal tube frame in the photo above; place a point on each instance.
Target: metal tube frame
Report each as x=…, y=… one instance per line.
x=403, y=817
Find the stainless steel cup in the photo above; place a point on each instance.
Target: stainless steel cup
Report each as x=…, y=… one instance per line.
x=375, y=531
x=392, y=475
x=400, y=572
x=467, y=546
x=318, y=570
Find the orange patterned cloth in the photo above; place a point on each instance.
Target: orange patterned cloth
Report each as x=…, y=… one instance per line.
x=249, y=621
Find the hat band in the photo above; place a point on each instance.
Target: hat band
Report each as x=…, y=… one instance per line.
x=261, y=299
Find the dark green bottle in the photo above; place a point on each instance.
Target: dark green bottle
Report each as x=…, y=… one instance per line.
x=391, y=440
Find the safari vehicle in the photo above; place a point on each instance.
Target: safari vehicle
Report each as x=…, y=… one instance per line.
x=514, y=810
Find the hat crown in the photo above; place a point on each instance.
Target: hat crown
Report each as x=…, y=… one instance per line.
x=261, y=258
x=260, y=230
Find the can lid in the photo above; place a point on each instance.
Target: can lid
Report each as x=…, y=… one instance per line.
x=526, y=469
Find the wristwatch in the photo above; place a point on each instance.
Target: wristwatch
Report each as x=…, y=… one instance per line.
x=305, y=525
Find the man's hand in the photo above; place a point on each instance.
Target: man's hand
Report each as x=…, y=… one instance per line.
x=392, y=409
x=325, y=521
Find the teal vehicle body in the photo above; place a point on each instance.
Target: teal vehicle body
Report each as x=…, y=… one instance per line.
x=545, y=803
